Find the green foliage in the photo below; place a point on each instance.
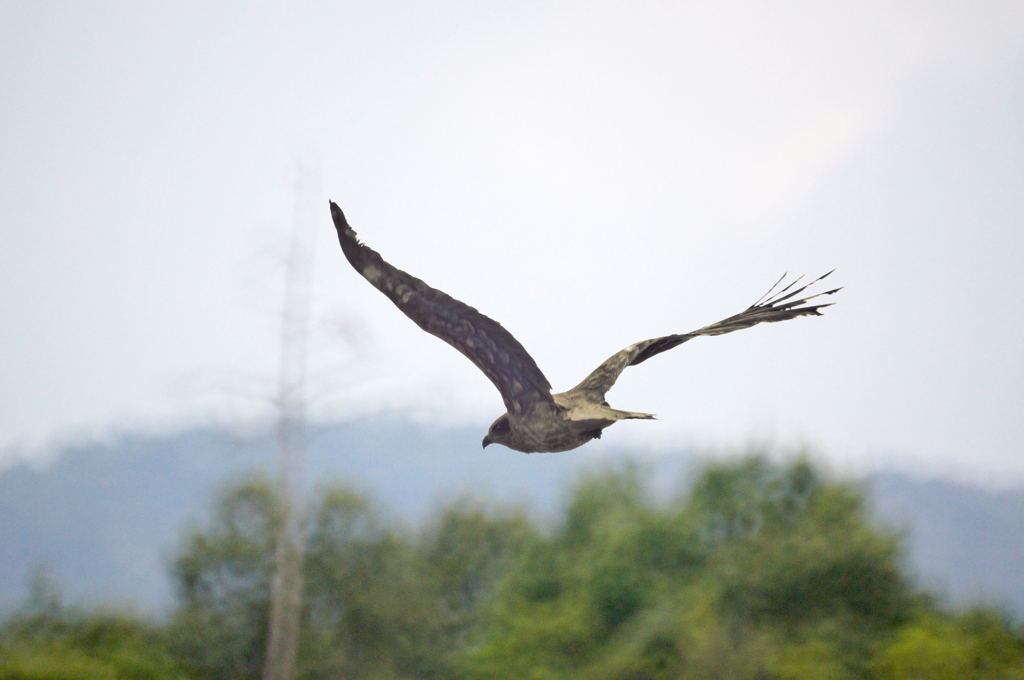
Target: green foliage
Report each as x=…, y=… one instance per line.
x=761, y=571
x=463, y=555
x=368, y=617
x=386, y=603
x=973, y=646
x=380, y=602
x=736, y=501
x=49, y=641
x=222, y=577
x=591, y=594
x=822, y=563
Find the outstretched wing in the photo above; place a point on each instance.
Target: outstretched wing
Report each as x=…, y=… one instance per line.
x=779, y=307
x=483, y=340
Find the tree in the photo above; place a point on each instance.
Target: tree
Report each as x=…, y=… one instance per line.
x=973, y=646
x=48, y=640
x=586, y=602
x=763, y=570
x=801, y=573
x=465, y=553
x=379, y=601
x=369, y=615
x=223, y=578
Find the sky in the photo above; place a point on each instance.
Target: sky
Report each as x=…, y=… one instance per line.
x=589, y=174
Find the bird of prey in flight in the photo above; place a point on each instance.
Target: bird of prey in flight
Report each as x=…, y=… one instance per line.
x=537, y=421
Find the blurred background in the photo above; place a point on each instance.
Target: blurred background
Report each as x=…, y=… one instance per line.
x=588, y=174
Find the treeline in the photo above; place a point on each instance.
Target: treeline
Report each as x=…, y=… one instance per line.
x=757, y=571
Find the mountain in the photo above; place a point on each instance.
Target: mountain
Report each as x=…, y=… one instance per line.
x=964, y=542
x=104, y=518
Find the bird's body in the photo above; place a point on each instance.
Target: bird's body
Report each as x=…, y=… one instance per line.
x=537, y=421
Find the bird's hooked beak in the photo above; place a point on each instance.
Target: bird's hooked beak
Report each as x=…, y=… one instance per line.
x=497, y=432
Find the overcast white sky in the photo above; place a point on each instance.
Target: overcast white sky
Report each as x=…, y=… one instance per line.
x=589, y=174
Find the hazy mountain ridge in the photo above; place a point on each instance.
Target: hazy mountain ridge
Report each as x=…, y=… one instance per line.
x=965, y=541
x=104, y=518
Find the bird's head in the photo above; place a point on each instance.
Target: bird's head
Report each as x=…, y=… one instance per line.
x=499, y=431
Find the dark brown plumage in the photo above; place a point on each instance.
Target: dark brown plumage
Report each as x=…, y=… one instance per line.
x=537, y=421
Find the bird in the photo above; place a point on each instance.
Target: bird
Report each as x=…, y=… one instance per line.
x=535, y=420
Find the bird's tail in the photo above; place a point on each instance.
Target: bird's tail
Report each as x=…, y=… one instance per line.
x=604, y=415
x=632, y=415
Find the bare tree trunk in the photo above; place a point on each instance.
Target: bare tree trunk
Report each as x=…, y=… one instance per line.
x=287, y=587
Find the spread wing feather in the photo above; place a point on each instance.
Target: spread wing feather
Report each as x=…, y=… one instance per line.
x=770, y=308
x=481, y=339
